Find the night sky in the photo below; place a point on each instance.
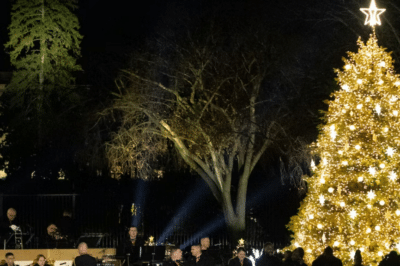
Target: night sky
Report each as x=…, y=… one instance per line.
x=119, y=25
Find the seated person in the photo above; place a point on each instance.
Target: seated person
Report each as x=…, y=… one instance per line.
x=54, y=239
x=40, y=261
x=10, y=220
x=9, y=259
x=240, y=259
x=84, y=259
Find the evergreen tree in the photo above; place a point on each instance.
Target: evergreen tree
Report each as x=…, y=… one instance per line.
x=353, y=199
x=44, y=46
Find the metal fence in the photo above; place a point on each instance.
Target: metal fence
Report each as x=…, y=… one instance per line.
x=96, y=215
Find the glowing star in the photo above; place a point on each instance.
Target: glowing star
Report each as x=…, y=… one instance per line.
x=360, y=179
x=382, y=165
x=392, y=176
x=352, y=243
x=390, y=151
x=359, y=106
x=382, y=64
x=377, y=228
x=347, y=67
x=322, y=180
x=319, y=226
x=380, y=82
x=336, y=244
x=368, y=230
x=359, y=81
x=382, y=203
x=342, y=204
x=378, y=109
x=331, y=189
x=397, y=212
x=352, y=127
x=373, y=14
x=371, y=195
x=358, y=147
x=311, y=216
x=345, y=87
x=353, y=214
x=322, y=199
x=395, y=112
x=241, y=241
x=372, y=170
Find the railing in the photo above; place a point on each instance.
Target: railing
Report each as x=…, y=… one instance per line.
x=94, y=214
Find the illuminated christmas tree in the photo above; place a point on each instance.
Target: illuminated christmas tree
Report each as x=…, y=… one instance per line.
x=353, y=199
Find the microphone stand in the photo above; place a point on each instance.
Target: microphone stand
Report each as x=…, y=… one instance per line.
x=153, y=255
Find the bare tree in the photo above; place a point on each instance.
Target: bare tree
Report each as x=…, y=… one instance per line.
x=218, y=96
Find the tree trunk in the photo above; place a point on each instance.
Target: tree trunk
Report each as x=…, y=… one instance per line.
x=235, y=221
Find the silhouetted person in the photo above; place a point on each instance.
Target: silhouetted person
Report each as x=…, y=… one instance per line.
x=268, y=258
x=287, y=258
x=358, y=258
x=391, y=260
x=327, y=259
x=297, y=257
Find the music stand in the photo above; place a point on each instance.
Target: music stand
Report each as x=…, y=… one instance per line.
x=153, y=253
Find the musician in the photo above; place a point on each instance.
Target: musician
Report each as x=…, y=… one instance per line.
x=11, y=220
x=9, y=259
x=84, y=259
x=199, y=259
x=240, y=259
x=131, y=245
x=175, y=259
x=41, y=261
x=54, y=239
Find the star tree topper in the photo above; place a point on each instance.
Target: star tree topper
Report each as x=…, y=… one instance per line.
x=373, y=14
